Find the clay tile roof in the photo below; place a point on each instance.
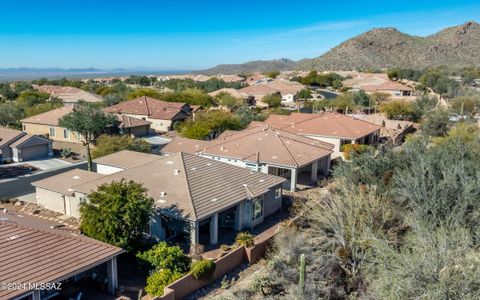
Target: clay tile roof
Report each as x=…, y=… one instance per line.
x=131, y=122
x=63, y=182
x=126, y=159
x=327, y=124
x=179, y=144
x=193, y=186
x=34, y=140
x=260, y=143
x=146, y=106
x=50, y=117
x=234, y=92
x=387, y=86
x=255, y=90
x=68, y=94
x=8, y=135
x=41, y=256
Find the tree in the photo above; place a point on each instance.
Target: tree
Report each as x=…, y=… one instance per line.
x=343, y=102
x=229, y=101
x=88, y=122
x=362, y=99
x=272, y=74
x=304, y=94
x=273, y=100
x=436, y=123
x=379, y=98
x=117, y=213
x=209, y=125
x=398, y=110
x=163, y=256
x=108, y=144
x=466, y=105
x=112, y=99
x=10, y=114
x=159, y=280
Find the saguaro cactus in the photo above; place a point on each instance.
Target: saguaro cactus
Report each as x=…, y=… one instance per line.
x=303, y=269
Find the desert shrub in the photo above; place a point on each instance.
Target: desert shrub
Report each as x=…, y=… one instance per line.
x=66, y=152
x=158, y=280
x=244, y=239
x=436, y=123
x=354, y=149
x=163, y=256
x=203, y=269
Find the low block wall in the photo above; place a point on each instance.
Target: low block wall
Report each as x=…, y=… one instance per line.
x=188, y=284
x=20, y=186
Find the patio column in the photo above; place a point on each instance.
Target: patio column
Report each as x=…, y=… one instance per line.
x=194, y=233
x=112, y=275
x=214, y=229
x=293, y=180
x=239, y=216
x=314, y=176
x=36, y=295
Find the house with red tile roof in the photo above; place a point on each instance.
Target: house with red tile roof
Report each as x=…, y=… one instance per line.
x=264, y=149
x=333, y=128
x=161, y=114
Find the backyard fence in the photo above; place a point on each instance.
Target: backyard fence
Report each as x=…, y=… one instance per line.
x=188, y=284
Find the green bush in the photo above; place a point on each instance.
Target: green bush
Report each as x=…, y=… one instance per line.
x=203, y=269
x=244, y=239
x=159, y=280
x=163, y=256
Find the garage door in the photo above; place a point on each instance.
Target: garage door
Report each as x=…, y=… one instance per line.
x=34, y=152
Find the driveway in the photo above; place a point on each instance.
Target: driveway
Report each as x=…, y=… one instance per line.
x=41, y=164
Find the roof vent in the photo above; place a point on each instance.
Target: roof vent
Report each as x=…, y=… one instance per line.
x=162, y=201
x=222, y=148
x=209, y=164
x=261, y=180
x=176, y=172
x=214, y=200
x=13, y=237
x=162, y=194
x=76, y=177
x=169, y=162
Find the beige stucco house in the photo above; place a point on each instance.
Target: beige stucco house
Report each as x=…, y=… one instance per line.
x=161, y=114
x=333, y=128
x=17, y=146
x=194, y=196
x=47, y=124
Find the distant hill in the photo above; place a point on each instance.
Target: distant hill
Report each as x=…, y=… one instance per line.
x=381, y=48
x=253, y=66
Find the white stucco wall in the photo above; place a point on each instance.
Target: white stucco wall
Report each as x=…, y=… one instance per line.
x=50, y=200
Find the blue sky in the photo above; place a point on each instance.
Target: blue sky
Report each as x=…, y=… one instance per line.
x=185, y=35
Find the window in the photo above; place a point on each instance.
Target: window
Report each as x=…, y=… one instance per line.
x=253, y=167
x=52, y=131
x=257, y=208
x=278, y=194
x=23, y=127
x=65, y=133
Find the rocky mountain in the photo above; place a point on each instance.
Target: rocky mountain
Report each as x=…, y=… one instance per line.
x=253, y=66
x=381, y=48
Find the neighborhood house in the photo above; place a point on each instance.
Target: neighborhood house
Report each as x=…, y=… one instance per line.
x=48, y=124
x=194, y=196
x=264, y=149
x=161, y=114
x=17, y=146
x=336, y=129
